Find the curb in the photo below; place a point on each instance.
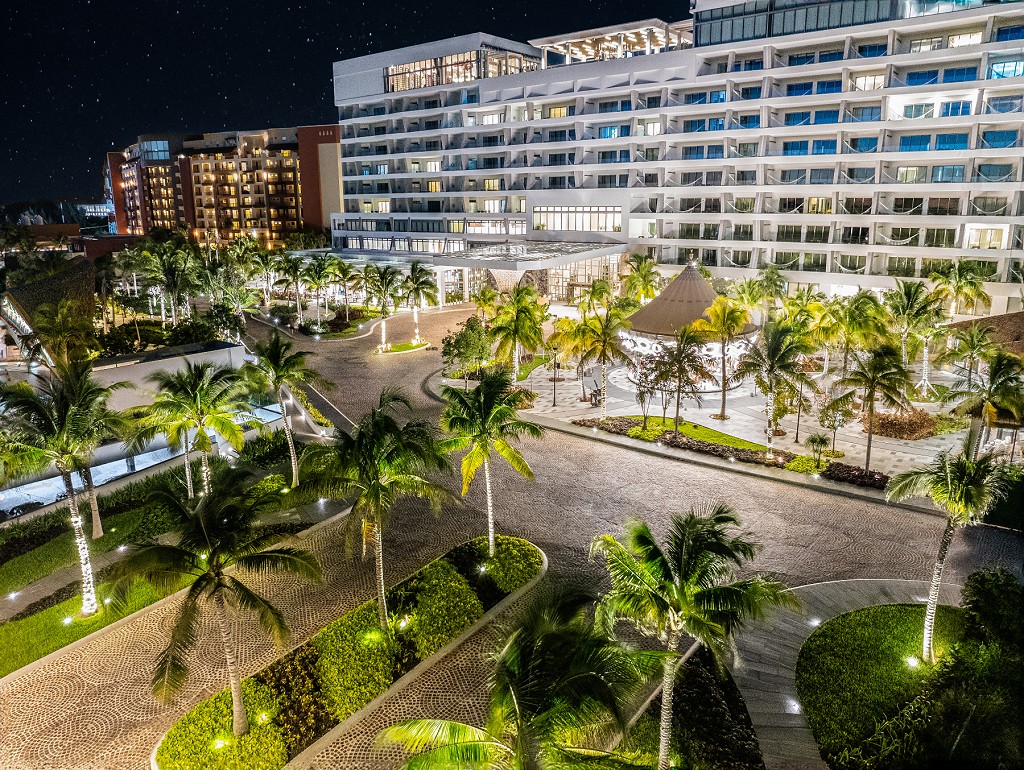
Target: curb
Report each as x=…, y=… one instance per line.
x=304, y=759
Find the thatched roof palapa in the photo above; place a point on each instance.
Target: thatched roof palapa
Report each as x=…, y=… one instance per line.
x=1007, y=330
x=682, y=302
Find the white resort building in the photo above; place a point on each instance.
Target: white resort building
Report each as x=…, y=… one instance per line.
x=848, y=142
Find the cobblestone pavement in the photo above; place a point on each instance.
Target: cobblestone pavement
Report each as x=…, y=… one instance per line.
x=91, y=708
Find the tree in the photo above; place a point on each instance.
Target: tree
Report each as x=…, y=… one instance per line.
x=318, y=274
x=133, y=261
x=878, y=374
x=725, y=321
x=601, y=342
x=276, y=367
x=644, y=375
x=565, y=343
x=198, y=398
x=816, y=443
x=748, y=295
x=385, y=285
x=291, y=268
x=775, y=364
x=960, y=283
x=219, y=547
x=971, y=344
x=643, y=279
x=910, y=307
x=467, y=348
x=803, y=307
x=555, y=676
x=379, y=463
x=486, y=300
x=1000, y=389
x=858, y=322
x=420, y=290
x=688, y=587
x=485, y=419
x=773, y=286
x=64, y=331
x=962, y=485
x=597, y=295
x=684, y=364
x=350, y=280
x=173, y=266
x=263, y=263
x=518, y=326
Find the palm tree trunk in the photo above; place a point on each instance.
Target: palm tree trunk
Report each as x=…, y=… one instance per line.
x=289, y=438
x=933, y=592
x=799, y=411
x=378, y=558
x=239, y=719
x=871, y=433
x=604, y=391
x=89, y=604
x=416, y=322
x=679, y=399
x=298, y=302
x=188, y=472
x=668, y=680
x=346, y=303
x=515, y=362
x=383, y=332
x=721, y=414
x=769, y=408
x=490, y=509
x=90, y=489
x=903, y=347
x=204, y=459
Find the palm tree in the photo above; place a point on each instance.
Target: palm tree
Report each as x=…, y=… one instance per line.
x=349, y=278
x=775, y=363
x=555, y=676
x=963, y=486
x=643, y=279
x=385, y=285
x=291, y=268
x=173, y=266
x=601, y=341
x=486, y=300
x=688, y=587
x=276, y=367
x=858, y=322
x=263, y=263
x=748, y=295
x=317, y=275
x=133, y=260
x=773, y=287
x=910, y=307
x=597, y=295
x=683, y=364
x=804, y=306
x=878, y=373
x=483, y=419
x=379, y=463
x=725, y=321
x=420, y=290
x=999, y=389
x=197, y=398
x=518, y=326
x=63, y=331
x=960, y=283
x=219, y=547
x=971, y=344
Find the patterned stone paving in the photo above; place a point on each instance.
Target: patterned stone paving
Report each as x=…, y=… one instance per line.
x=91, y=708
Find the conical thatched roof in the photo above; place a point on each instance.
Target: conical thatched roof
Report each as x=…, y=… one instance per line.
x=683, y=302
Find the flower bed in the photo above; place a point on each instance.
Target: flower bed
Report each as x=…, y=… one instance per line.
x=316, y=415
x=854, y=474
x=916, y=424
x=350, y=661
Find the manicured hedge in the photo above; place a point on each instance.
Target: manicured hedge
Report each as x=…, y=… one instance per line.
x=446, y=606
x=854, y=474
x=267, y=450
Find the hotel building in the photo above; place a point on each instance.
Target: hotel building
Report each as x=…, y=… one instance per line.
x=218, y=186
x=848, y=143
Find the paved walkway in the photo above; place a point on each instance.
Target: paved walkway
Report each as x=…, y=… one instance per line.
x=764, y=666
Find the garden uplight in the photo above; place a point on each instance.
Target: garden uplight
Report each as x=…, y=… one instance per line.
x=67, y=620
x=912, y=661
x=12, y=595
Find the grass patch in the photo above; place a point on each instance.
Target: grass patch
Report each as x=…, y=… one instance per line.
x=405, y=347
x=853, y=672
x=699, y=432
x=526, y=369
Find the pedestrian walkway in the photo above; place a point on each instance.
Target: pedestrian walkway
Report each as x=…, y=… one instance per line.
x=765, y=658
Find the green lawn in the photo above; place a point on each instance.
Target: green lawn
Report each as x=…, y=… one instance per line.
x=404, y=347
x=692, y=430
x=855, y=670
x=525, y=369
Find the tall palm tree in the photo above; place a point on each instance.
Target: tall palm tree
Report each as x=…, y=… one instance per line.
x=878, y=374
x=1000, y=389
x=726, y=319
x=189, y=402
x=643, y=279
x=971, y=344
x=133, y=261
x=688, y=587
x=63, y=331
x=773, y=287
x=379, y=463
x=349, y=278
x=858, y=322
x=420, y=290
x=218, y=548
x=555, y=676
x=484, y=419
x=317, y=275
x=684, y=364
x=291, y=268
x=597, y=295
x=173, y=266
x=775, y=364
x=263, y=263
x=804, y=306
x=567, y=341
x=276, y=367
x=518, y=326
x=959, y=283
x=486, y=300
x=963, y=486
x=384, y=284
x=748, y=295
x=910, y=306
x=601, y=342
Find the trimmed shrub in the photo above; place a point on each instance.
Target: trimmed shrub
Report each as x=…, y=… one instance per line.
x=805, y=464
x=314, y=413
x=467, y=559
x=269, y=485
x=24, y=536
x=653, y=433
x=267, y=450
x=445, y=607
x=908, y=425
x=515, y=562
x=833, y=453
x=187, y=745
x=357, y=661
x=854, y=474
x=303, y=716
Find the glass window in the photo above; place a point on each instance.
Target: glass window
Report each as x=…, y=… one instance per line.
x=864, y=144
x=913, y=111
x=994, y=172
x=794, y=148
x=746, y=150
x=793, y=176
x=652, y=102
x=959, y=74
x=1005, y=104
x=860, y=175
x=951, y=142
x=800, y=58
x=869, y=82
x=799, y=89
x=915, y=143
x=871, y=50
x=716, y=124
x=797, y=118
x=823, y=175
x=911, y=174
x=829, y=86
x=955, y=109
x=694, y=126
x=698, y=98
x=998, y=139
x=948, y=173
x=966, y=38
x=826, y=56
x=826, y=116
x=824, y=147
x=750, y=121
x=925, y=44
x=715, y=151
x=1011, y=68
x=717, y=97
x=750, y=92
x=603, y=219
x=866, y=114
x=922, y=78
x=1015, y=32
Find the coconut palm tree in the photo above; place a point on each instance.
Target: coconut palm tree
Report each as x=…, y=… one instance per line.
x=773, y=287
x=518, y=326
x=291, y=268
x=420, y=290
x=566, y=342
x=748, y=295
x=555, y=676
x=964, y=487
x=174, y=267
x=485, y=419
x=317, y=275
x=219, y=547
x=133, y=261
x=684, y=365
x=63, y=331
x=910, y=306
x=999, y=389
x=486, y=300
x=803, y=307
x=601, y=342
x=643, y=279
x=188, y=403
x=971, y=344
x=276, y=368
x=384, y=284
x=379, y=463
x=960, y=283
x=726, y=319
x=858, y=322
x=686, y=588
x=349, y=278
x=775, y=363
x=879, y=374
x=263, y=263
x=597, y=295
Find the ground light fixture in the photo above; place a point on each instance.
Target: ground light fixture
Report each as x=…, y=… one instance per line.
x=912, y=661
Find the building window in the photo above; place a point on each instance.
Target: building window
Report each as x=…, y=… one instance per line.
x=1016, y=32
x=922, y=78
x=1000, y=105
x=915, y=143
x=827, y=56
x=908, y=206
x=864, y=144
x=860, y=175
x=797, y=118
x=604, y=219
x=799, y=89
x=871, y=50
x=652, y=102
x=793, y=176
x=823, y=176
x=819, y=205
x=830, y=86
x=750, y=92
x=869, y=82
x=925, y=44
x=965, y=38
x=794, y=148
x=941, y=238
x=866, y=114
x=1011, y=68
x=912, y=174
x=951, y=142
x=993, y=172
x=944, y=207
x=750, y=121
x=789, y=233
x=824, y=147
x=959, y=74
x=796, y=60
x=999, y=139
x=826, y=116
x=955, y=109
x=558, y=112
x=915, y=111
x=949, y=173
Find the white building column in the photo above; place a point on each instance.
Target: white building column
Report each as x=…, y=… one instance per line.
x=465, y=284
x=439, y=277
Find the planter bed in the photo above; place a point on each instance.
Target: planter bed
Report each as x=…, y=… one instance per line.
x=348, y=663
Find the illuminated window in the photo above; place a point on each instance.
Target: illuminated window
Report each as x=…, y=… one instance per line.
x=967, y=38
x=604, y=219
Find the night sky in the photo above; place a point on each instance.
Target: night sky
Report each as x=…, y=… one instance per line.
x=82, y=77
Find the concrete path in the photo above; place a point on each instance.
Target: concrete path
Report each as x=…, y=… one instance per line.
x=764, y=666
